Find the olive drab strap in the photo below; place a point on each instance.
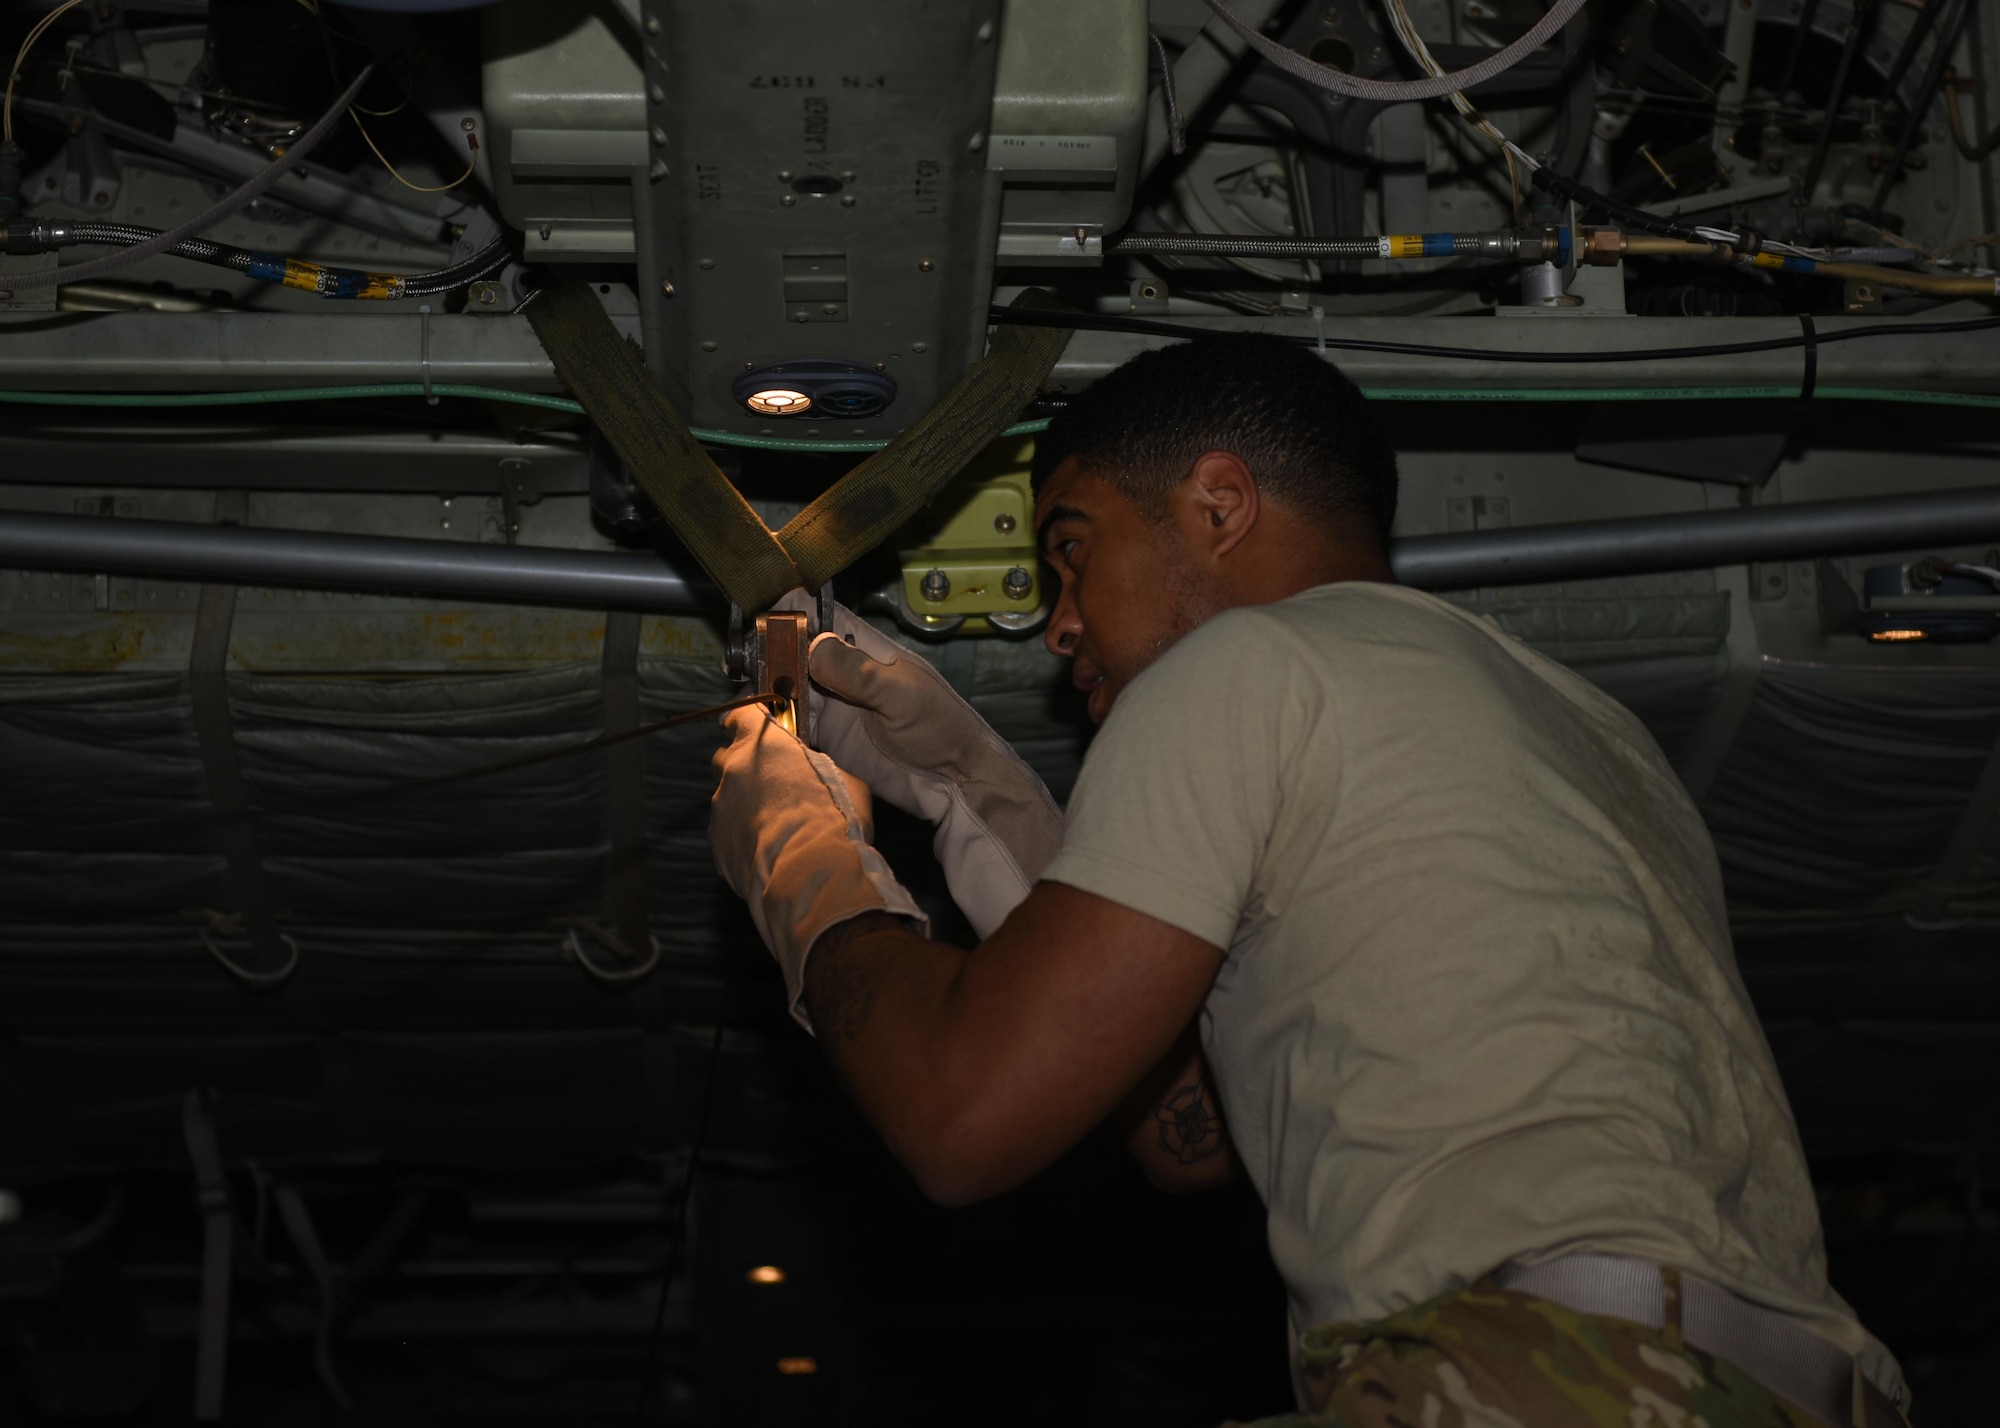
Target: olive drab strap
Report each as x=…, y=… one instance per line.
x=858, y=511
x=753, y=566
x=604, y=373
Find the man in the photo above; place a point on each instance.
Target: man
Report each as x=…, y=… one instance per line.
x=1430, y=914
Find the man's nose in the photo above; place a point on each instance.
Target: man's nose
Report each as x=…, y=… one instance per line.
x=1065, y=626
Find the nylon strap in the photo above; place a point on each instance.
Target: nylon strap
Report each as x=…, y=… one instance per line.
x=858, y=511
x=218, y=1234
x=753, y=566
x=604, y=373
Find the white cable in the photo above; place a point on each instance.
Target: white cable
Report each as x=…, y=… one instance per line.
x=1406, y=31
x=1403, y=91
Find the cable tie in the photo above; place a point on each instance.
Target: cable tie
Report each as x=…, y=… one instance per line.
x=424, y=360
x=1810, y=377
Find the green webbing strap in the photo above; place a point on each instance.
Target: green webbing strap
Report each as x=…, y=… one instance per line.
x=753, y=566
x=605, y=374
x=854, y=514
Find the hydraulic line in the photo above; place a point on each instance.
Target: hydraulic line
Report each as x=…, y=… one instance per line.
x=1937, y=284
x=246, y=193
x=1536, y=245
x=40, y=236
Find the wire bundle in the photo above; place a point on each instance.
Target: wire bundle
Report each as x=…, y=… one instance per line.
x=290, y=272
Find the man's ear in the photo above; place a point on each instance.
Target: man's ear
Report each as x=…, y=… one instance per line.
x=1221, y=501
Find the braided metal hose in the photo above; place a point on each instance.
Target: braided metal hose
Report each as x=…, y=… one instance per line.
x=1532, y=246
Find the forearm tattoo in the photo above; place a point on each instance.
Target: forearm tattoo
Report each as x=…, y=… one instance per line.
x=1190, y=1123
x=844, y=972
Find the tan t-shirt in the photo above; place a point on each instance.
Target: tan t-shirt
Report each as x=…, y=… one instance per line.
x=1479, y=1002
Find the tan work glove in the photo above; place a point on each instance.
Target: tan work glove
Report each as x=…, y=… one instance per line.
x=790, y=834
x=895, y=723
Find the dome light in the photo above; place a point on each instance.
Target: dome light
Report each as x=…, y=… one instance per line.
x=778, y=401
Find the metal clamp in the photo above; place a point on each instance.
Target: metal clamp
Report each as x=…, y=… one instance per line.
x=771, y=651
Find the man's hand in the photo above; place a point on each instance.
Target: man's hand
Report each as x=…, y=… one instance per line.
x=981, y=1069
x=790, y=834
x=894, y=722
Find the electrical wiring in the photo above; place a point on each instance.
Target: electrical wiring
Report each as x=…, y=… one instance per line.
x=1973, y=153
x=246, y=193
x=1516, y=157
x=311, y=7
x=1937, y=284
x=34, y=236
x=1983, y=572
x=21, y=57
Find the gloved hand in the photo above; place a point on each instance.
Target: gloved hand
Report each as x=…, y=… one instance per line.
x=895, y=722
x=790, y=834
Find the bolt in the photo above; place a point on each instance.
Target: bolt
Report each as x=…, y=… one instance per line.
x=925, y=265
x=488, y=296
x=831, y=309
x=936, y=586
x=1082, y=237
x=801, y=316
x=545, y=230
x=881, y=366
x=1004, y=523
x=1017, y=583
x=468, y=123
x=666, y=288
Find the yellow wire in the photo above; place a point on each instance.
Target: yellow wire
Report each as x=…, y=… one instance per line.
x=420, y=188
x=21, y=58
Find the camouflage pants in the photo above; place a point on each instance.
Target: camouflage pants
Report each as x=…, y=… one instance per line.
x=1494, y=1358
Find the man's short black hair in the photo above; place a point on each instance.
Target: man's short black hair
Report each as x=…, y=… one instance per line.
x=1305, y=431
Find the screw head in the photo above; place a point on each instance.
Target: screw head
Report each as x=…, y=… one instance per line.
x=936, y=586
x=920, y=347
x=1017, y=583
x=847, y=200
x=666, y=288
x=1004, y=523
x=925, y=265
x=468, y=123
x=787, y=201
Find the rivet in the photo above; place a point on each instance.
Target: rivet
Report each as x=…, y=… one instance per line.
x=657, y=94
x=652, y=24
x=787, y=201
x=920, y=347
x=666, y=288
x=706, y=264
x=847, y=200
x=1004, y=523
x=976, y=143
x=985, y=34
x=784, y=175
x=925, y=265
x=708, y=346
x=659, y=136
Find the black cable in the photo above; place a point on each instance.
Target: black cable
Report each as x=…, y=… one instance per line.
x=1548, y=180
x=678, y=1235
x=1913, y=42
x=1809, y=374
x=1800, y=34
x=1104, y=322
x=95, y=837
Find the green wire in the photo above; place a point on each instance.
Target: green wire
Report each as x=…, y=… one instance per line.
x=1025, y=428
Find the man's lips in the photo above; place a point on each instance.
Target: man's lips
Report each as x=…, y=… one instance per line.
x=1085, y=675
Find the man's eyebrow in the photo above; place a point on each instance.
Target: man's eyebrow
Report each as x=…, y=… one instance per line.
x=1056, y=513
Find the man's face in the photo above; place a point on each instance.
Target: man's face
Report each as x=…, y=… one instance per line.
x=1132, y=583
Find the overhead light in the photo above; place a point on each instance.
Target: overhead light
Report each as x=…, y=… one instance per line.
x=1890, y=637
x=766, y=1274
x=798, y=1365
x=778, y=401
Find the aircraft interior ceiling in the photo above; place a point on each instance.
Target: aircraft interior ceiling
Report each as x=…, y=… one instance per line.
x=361, y=947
